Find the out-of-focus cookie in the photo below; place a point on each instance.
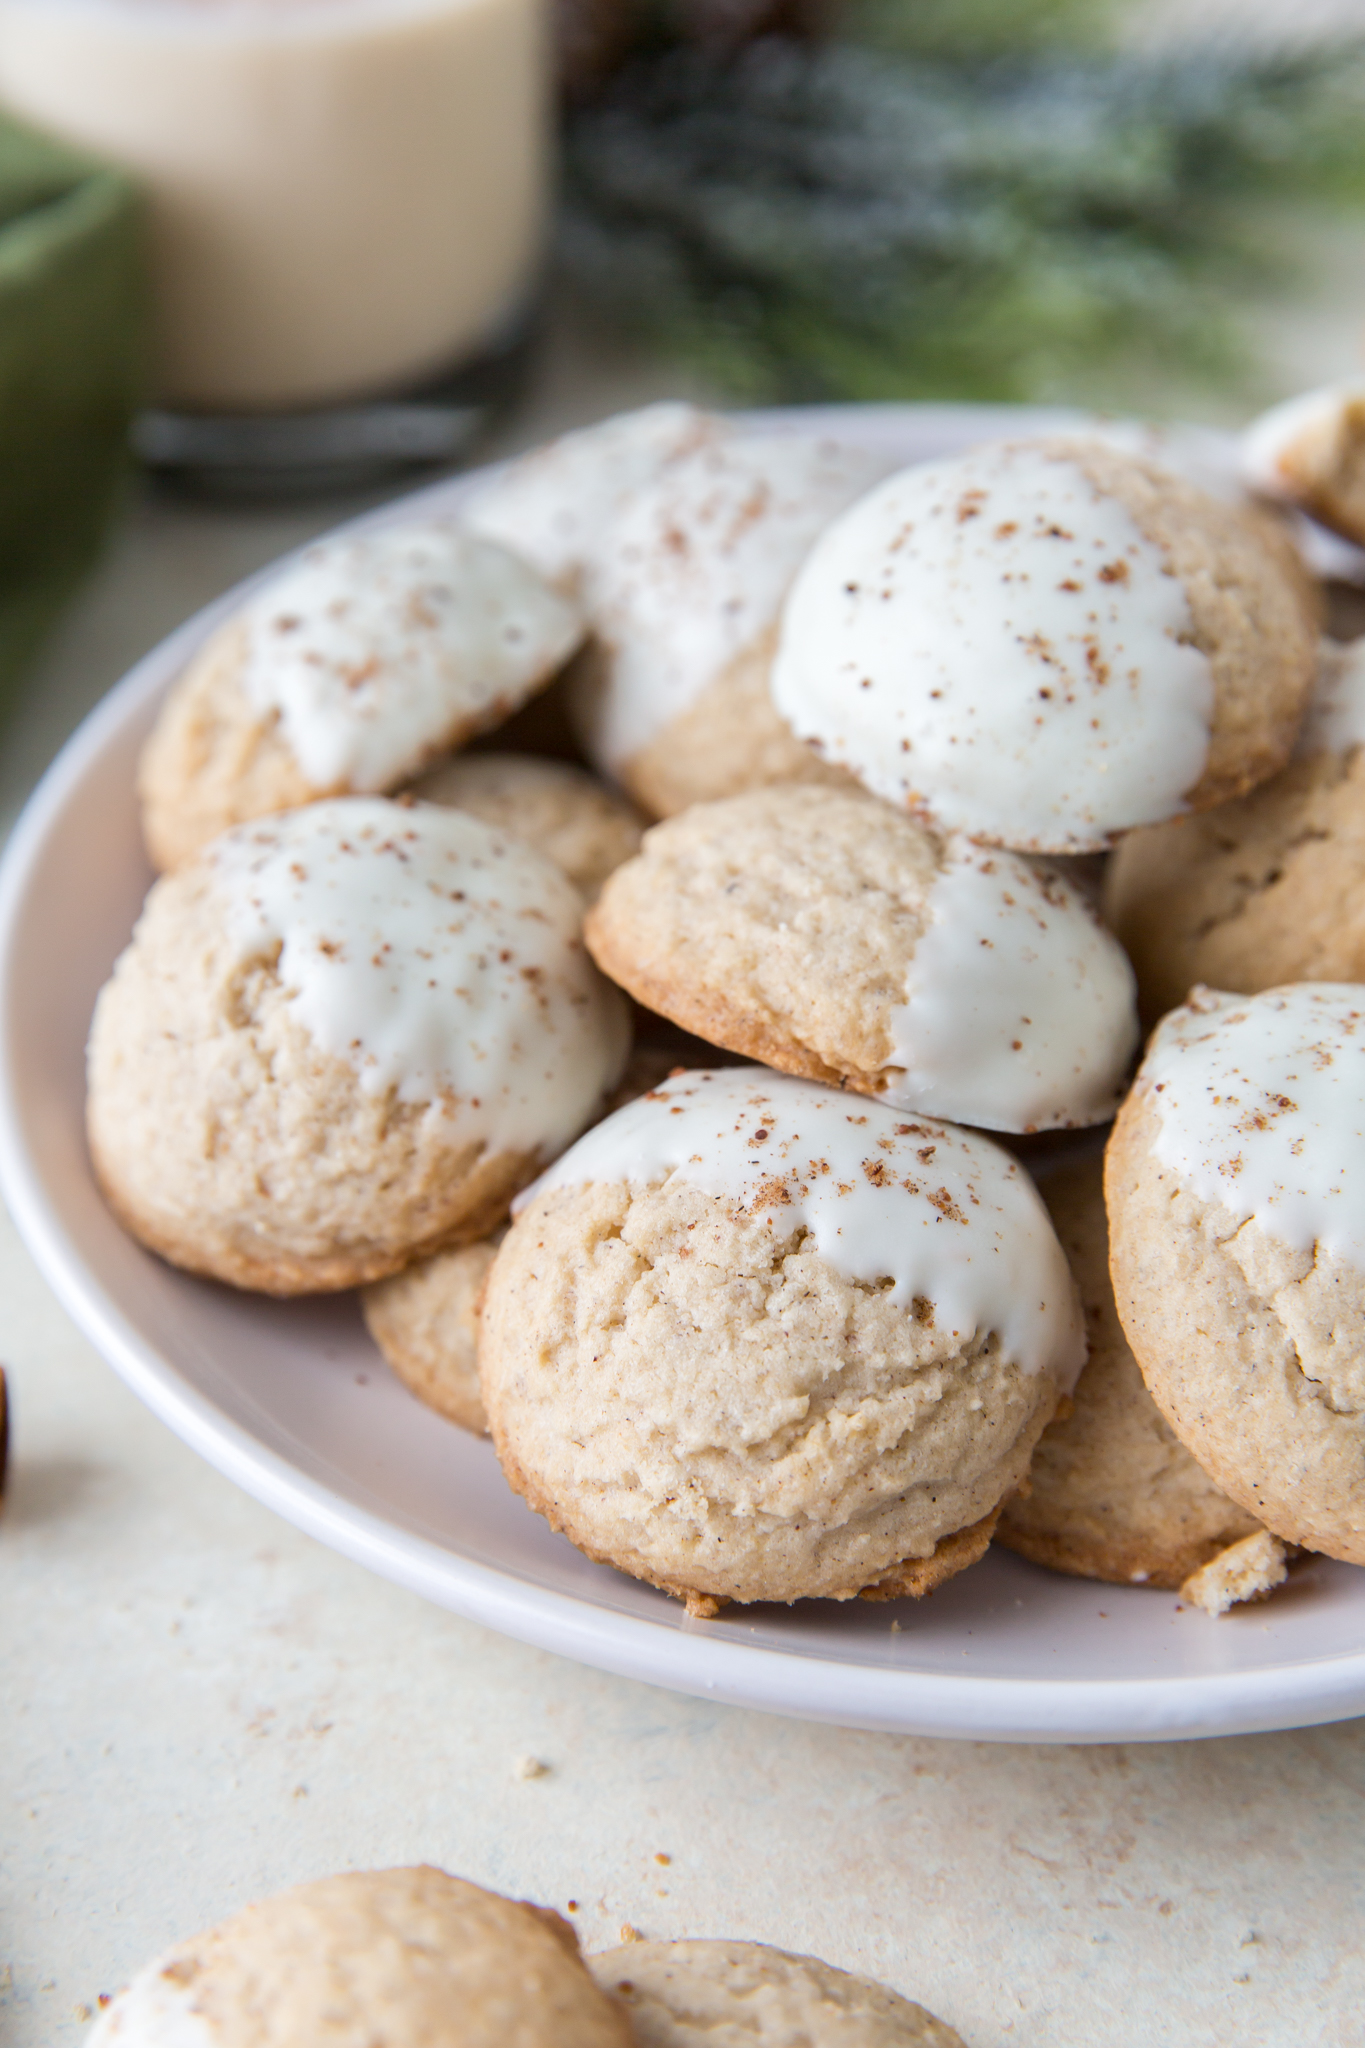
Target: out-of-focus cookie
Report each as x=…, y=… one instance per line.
x=585, y=829
x=743, y=1994
x=411, y=1958
x=1044, y=644
x=1113, y=1493
x=556, y=505
x=1310, y=452
x=342, y=1038
x=1266, y=890
x=835, y=937
x=683, y=599
x=1235, y=1184
x=361, y=661
x=753, y=1339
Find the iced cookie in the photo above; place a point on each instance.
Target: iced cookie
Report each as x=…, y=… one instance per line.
x=835, y=937
x=1113, y=1494
x=742, y=1994
x=683, y=599
x=585, y=829
x=350, y=670
x=555, y=506
x=1310, y=452
x=1044, y=644
x=753, y=1339
x=1235, y=1184
x=341, y=1038
x=409, y=1958
x=1266, y=890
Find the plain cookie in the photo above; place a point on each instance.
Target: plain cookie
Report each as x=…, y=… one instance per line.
x=409, y=1958
x=1235, y=1184
x=1310, y=452
x=1269, y=889
x=832, y=936
x=342, y=1038
x=743, y=1994
x=1113, y=1493
x=356, y=665
x=581, y=826
x=1044, y=644
x=753, y=1340
x=425, y=1319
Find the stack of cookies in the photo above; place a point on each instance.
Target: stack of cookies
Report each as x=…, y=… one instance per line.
x=413, y=1958
x=792, y=1318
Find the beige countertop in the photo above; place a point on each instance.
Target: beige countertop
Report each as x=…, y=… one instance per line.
x=199, y=1704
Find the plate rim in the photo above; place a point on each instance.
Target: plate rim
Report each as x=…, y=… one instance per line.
x=690, y=1657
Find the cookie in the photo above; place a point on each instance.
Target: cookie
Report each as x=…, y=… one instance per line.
x=412, y=1958
x=1235, y=1184
x=835, y=937
x=1265, y=890
x=1113, y=1493
x=751, y=1339
x=341, y=1038
x=360, y=662
x=743, y=1994
x=1248, y=1570
x=555, y=505
x=425, y=1321
x=1044, y=644
x=672, y=700
x=585, y=829
x=1310, y=452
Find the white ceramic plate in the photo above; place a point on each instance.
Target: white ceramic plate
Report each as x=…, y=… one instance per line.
x=293, y=1402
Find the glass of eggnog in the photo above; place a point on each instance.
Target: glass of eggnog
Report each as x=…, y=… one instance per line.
x=346, y=198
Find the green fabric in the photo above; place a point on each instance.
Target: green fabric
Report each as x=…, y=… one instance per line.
x=72, y=326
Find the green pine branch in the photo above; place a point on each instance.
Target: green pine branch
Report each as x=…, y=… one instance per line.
x=841, y=221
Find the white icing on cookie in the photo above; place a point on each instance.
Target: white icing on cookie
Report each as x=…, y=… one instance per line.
x=441, y=958
x=945, y=1215
x=695, y=569
x=994, y=642
x=1261, y=1108
x=1300, y=431
x=373, y=651
x=154, y=2010
x=1021, y=1009
x=553, y=506
x=1336, y=712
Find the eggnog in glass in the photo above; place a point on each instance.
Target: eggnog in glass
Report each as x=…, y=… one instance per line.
x=347, y=198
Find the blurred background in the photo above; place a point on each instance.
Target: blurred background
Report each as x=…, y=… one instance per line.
x=264, y=262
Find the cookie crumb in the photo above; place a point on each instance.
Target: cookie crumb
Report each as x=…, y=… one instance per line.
x=627, y=1933
x=1248, y=1570
x=530, y=1767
